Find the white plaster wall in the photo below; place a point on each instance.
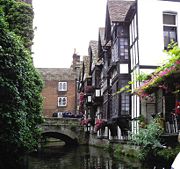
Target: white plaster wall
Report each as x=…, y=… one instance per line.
x=150, y=29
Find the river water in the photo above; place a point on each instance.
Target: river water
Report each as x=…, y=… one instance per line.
x=81, y=157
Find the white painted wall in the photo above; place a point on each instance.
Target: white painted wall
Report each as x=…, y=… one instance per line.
x=150, y=29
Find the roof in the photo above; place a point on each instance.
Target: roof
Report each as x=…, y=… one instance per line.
x=86, y=60
x=94, y=47
x=118, y=9
x=57, y=73
x=101, y=35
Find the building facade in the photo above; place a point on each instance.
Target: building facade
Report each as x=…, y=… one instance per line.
x=147, y=43
x=130, y=44
x=60, y=88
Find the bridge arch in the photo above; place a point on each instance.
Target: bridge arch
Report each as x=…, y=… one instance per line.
x=68, y=140
x=68, y=130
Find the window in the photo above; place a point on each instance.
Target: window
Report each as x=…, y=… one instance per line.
x=115, y=53
x=169, y=28
x=125, y=99
x=124, y=103
x=62, y=86
x=62, y=101
x=124, y=53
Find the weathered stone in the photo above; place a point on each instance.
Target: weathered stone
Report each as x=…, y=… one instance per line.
x=68, y=130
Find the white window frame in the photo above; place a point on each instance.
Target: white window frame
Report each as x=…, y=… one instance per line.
x=62, y=86
x=60, y=102
x=171, y=25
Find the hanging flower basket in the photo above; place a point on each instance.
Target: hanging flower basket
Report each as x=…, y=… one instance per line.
x=159, y=78
x=85, y=122
x=81, y=97
x=99, y=124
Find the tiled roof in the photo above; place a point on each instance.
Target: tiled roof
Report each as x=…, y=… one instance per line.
x=101, y=34
x=118, y=9
x=86, y=61
x=102, y=38
x=57, y=73
x=94, y=47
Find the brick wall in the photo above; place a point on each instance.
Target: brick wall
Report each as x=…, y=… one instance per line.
x=51, y=94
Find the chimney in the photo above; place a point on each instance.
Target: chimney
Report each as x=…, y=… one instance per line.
x=76, y=58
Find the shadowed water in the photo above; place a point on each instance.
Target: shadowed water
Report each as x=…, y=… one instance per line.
x=81, y=157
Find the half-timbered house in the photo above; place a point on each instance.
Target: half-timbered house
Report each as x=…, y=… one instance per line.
x=117, y=34
x=130, y=45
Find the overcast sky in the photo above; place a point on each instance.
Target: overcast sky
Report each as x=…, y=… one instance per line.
x=63, y=25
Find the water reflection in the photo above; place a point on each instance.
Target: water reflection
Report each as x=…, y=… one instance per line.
x=77, y=158
x=82, y=157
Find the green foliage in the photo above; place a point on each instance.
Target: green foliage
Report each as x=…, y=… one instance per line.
x=19, y=16
x=141, y=120
x=20, y=83
x=168, y=154
x=142, y=76
x=148, y=138
x=174, y=57
x=108, y=148
x=118, y=150
x=162, y=77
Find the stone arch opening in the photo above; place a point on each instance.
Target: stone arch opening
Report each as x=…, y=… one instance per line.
x=68, y=140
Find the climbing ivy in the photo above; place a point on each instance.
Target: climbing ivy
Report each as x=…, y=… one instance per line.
x=20, y=83
x=19, y=16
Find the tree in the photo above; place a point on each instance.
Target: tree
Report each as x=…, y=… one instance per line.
x=20, y=83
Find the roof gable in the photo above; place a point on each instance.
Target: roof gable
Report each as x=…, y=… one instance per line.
x=101, y=36
x=118, y=9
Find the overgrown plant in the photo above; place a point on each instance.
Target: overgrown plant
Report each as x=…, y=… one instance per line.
x=162, y=75
x=20, y=83
x=148, y=139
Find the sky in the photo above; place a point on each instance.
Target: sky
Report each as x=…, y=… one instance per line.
x=62, y=26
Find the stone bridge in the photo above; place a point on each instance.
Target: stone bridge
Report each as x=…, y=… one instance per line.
x=68, y=130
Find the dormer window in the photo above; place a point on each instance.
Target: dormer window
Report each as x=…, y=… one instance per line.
x=169, y=28
x=62, y=86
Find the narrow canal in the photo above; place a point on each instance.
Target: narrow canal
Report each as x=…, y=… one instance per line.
x=81, y=157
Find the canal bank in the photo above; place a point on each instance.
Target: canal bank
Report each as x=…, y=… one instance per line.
x=161, y=156
x=126, y=146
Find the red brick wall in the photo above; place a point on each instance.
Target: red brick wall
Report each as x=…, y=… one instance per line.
x=51, y=94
